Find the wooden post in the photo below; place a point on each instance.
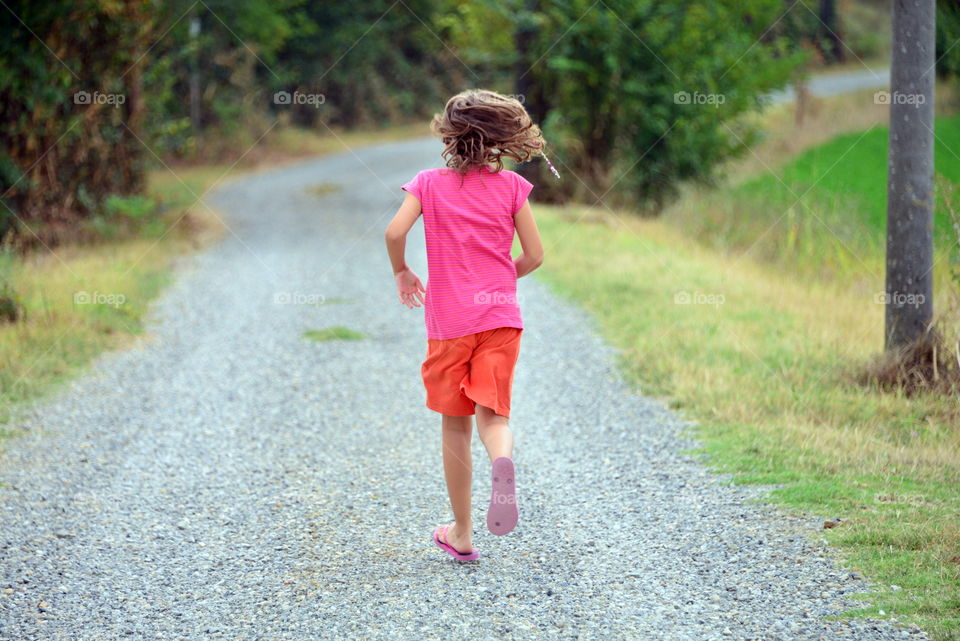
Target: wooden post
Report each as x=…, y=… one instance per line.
x=909, y=283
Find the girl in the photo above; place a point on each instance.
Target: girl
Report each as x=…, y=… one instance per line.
x=470, y=212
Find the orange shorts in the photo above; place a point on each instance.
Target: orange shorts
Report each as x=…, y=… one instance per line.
x=477, y=368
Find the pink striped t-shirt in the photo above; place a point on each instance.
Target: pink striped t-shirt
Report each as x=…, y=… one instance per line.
x=471, y=280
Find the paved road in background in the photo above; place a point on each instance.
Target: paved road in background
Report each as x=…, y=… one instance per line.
x=834, y=84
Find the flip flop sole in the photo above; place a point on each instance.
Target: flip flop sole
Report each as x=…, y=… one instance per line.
x=449, y=549
x=502, y=514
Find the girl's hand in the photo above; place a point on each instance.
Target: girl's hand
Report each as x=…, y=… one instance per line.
x=409, y=288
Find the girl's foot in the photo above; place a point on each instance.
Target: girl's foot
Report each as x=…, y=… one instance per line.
x=502, y=513
x=458, y=540
x=444, y=540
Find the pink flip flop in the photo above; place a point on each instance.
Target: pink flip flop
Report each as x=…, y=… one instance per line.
x=449, y=549
x=502, y=513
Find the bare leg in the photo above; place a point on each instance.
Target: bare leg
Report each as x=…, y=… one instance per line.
x=494, y=433
x=458, y=470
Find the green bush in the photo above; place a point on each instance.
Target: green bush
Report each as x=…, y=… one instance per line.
x=645, y=94
x=10, y=308
x=948, y=29
x=125, y=215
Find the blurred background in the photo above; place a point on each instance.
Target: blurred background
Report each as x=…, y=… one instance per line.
x=189, y=82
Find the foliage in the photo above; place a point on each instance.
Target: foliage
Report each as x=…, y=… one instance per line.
x=126, y=215
x=866, y=29
x=229, y=51
x=647, y=94
x=372, y=62
x=948, y=28
x=71, y=106
x=11, y=309
x=202, y=81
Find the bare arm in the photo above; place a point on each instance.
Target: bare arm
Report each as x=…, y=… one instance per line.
x=532, y=256
x=409, y=288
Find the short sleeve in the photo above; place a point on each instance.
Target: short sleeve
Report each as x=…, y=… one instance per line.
x=415, y=186
x=524, y=187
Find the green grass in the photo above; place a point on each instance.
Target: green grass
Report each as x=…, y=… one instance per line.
x=838, y=227
x=765, y=363
x=850, y=172
x=333, y=333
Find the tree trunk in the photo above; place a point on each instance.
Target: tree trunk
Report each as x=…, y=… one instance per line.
x=194, y=80
x=909, y=286
x=802, y=102
x=526, y=86
x=831, y=31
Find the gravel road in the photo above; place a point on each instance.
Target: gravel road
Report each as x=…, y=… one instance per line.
x=227, y=478
x=834, y=84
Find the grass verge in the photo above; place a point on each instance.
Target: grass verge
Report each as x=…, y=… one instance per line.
x=812, y=198
x=765, y=363
x=78, y=301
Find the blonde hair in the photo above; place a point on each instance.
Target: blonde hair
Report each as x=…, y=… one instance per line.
x=479, y=127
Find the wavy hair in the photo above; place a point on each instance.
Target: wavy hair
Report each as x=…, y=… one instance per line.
x=479, y=127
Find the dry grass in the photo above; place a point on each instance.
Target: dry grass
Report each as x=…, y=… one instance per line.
x=931, y=364
x=769, y=372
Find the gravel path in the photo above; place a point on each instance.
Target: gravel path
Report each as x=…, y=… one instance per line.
x=833, y=84
x=226, y=478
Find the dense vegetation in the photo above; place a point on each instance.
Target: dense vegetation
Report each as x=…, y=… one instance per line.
x=95, y=91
